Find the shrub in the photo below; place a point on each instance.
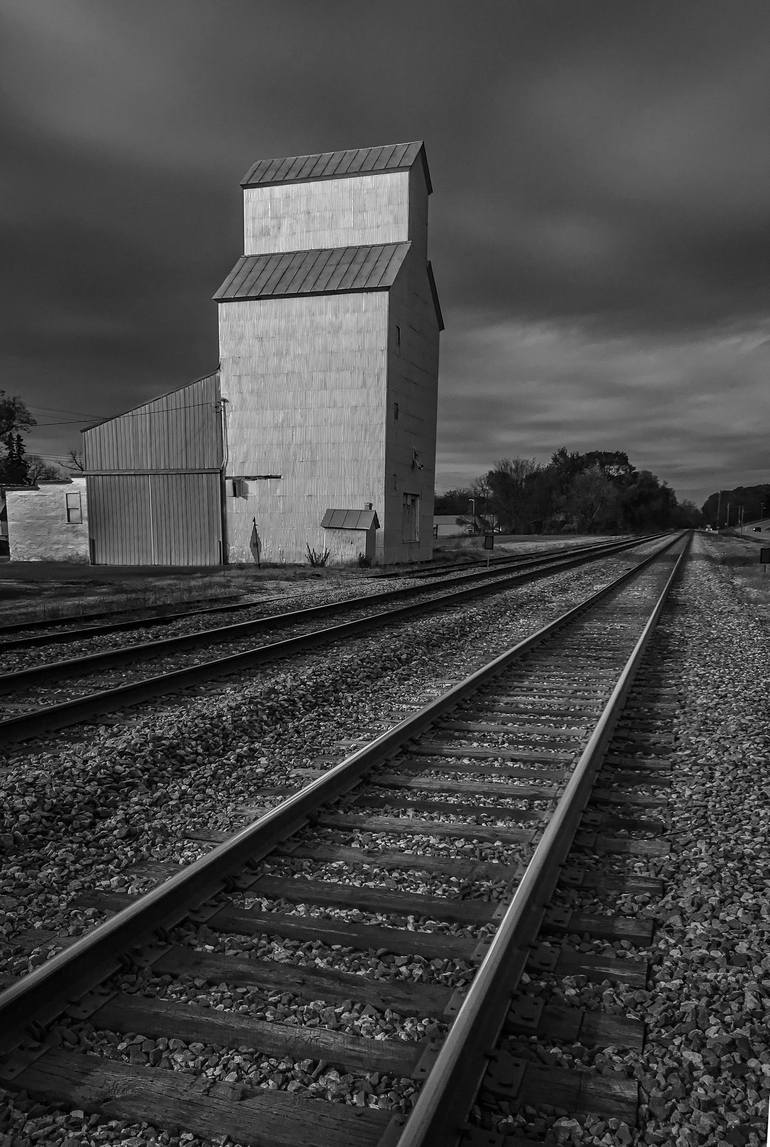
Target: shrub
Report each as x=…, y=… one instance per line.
x=315, y=557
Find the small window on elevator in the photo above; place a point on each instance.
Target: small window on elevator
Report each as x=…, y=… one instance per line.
x=395, y=412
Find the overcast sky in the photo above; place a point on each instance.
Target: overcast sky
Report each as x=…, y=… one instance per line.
x=599, y=229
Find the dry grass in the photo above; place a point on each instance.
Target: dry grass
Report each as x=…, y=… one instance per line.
x=740, y=558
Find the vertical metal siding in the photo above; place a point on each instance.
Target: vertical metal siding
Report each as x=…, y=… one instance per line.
x=187, y=519
x=118, y=520
x=178, y=430
x=155, y=519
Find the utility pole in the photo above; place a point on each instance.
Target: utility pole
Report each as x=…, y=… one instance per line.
x=727, y=517
x=719, y=510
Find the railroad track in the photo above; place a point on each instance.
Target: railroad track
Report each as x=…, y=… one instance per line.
x=32, y=635
x=51, y=695
x=369, y=928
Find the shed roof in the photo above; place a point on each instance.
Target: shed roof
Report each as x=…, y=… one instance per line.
x=350, y=520
x=337, y=164
x=319, y=272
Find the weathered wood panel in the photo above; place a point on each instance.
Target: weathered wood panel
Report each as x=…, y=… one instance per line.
x=264, y=1117
x=234, y=1029
x=409, y=998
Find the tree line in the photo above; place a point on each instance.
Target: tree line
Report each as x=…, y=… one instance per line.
x=596, y=492
x=17, y=468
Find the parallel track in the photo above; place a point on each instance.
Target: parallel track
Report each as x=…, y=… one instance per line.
x=53, y=631
x=504, y=762
x=95, y=699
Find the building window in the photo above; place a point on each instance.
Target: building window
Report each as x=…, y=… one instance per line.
x=74, y=508
x=410, y=518
x=395, y=412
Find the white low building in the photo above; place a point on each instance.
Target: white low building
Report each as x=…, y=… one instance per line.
x=48, y=522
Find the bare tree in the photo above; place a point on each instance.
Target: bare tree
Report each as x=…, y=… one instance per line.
x=75, y=462
x=38, y=470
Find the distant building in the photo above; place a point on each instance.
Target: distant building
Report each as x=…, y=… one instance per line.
x=48, y=522
x=452, y=525
x=325, y=397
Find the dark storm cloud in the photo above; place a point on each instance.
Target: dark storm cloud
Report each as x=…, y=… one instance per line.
x=600, y=229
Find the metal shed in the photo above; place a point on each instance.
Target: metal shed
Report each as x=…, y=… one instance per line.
x=351, y=534
x=154, y=480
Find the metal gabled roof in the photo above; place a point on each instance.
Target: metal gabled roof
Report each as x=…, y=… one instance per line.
x=350, y=520
x=337, y=164
x=319, y=272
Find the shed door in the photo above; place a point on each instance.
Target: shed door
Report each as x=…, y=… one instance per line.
x=155, y=519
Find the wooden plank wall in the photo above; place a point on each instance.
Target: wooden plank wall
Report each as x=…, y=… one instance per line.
x=327, y=213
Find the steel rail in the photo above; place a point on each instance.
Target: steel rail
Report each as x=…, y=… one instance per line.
x=44, y=993
x=447, y=1094
x=117, y=625
x=58, y=716
x=111, y=657
x=165, y=615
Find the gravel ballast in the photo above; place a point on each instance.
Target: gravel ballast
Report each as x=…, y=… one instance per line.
x=706, y=1067
x=704, y=1070
x=130, y=791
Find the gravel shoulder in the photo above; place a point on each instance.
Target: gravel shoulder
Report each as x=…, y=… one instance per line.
x=707, y=1059
x=129, y=793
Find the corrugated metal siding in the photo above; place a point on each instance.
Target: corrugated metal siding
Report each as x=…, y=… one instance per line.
x=350, y=520
x=181, y=430
x=118, y=520
x=186, y=519
x=335, y=164
x=155, y=519
x=338, y=269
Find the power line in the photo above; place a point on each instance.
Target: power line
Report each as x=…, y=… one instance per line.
x=169, y=410
x=64, y=422
x=59, y=410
